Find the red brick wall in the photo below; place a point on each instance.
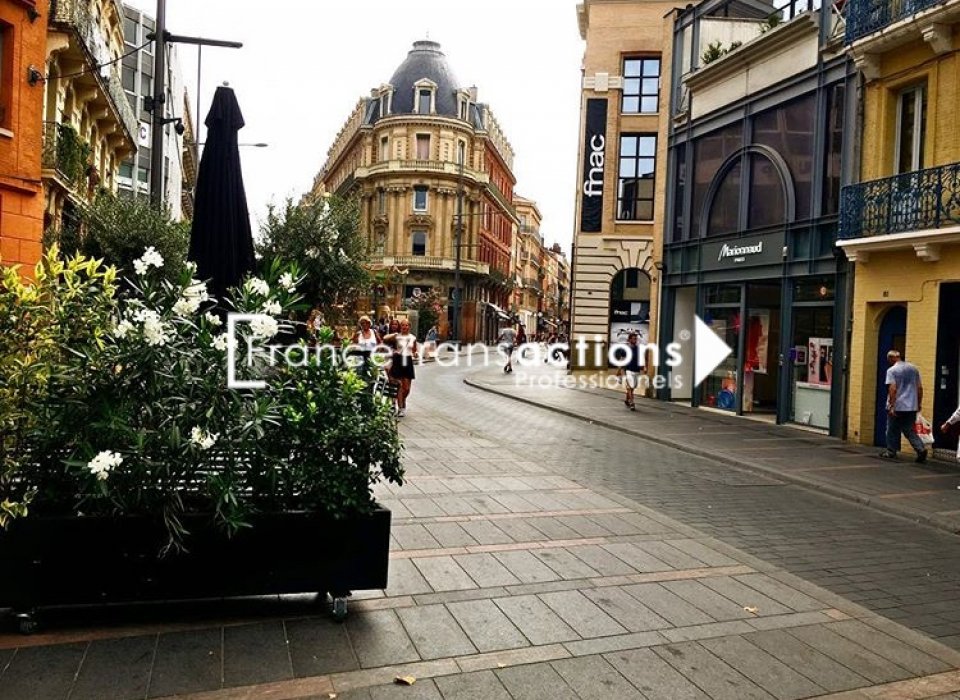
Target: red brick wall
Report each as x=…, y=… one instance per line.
x=21, y=143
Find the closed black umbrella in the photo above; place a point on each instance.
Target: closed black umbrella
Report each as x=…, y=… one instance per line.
x=221, y=243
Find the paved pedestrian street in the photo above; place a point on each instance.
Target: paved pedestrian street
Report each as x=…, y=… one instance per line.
x=535, y=555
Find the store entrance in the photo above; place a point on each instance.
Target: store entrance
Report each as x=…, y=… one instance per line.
x=892, y=336
x=761, y=365
x=946, y=388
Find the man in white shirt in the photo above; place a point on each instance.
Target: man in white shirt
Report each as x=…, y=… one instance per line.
x=507, y=341
x=904, y=396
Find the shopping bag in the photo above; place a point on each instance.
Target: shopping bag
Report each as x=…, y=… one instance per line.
x=924, y=430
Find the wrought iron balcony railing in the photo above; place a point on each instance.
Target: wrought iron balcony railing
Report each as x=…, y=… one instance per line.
x=868, y=16
x=914, y=201
x=76, y=14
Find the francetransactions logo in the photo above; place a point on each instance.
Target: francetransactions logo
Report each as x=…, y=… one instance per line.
x=671, y=364
x=734, y=251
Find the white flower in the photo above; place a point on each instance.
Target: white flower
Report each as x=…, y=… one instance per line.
x=192, y=266
x=186, y=306
x=203, y=439
x=257, y=286
x=123, y=328
x=286, y=281
x=150, y=258
x=104, y=463
x=273, y=308
x=312, y=253
x=264, y=327
x=221, y=341
x=213, y=319
x=155, y=331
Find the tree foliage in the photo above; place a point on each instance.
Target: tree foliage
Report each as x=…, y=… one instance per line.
x=324, y=238
x=117, y=228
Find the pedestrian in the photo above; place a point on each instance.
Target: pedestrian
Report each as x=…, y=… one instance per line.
x=431, y=341
x=904, y=397
x=507, y=340
x=405, y=353
x=950, y=428
x=632, y=369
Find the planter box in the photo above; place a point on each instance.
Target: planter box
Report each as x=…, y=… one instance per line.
x=85, y=560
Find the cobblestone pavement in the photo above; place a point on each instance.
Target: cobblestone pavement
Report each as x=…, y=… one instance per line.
x=536, y=556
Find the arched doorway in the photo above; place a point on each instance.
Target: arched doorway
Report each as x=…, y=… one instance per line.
x=891, y=336
x=629, y=305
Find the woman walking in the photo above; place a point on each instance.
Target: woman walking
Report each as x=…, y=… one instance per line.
x=405, y=353
x=950, y=428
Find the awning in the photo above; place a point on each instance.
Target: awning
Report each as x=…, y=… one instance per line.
x=498, y=311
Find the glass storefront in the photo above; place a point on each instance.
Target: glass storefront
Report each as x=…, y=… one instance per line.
x=811, y=353
x=721, y=312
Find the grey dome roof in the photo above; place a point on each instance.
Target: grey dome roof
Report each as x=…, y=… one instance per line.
x=425, y=60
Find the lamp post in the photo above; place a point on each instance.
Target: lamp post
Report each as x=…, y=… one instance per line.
x=456, y=269
x=161, y=38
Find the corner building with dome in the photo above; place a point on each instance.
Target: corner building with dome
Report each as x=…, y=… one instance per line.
x=409, y=151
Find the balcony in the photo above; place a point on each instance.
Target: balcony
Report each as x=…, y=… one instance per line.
x=868, y=16
x=74, y=15
x=65, y=156
x=531, y=283
x=421, y=166
x=431, y=262
x=919, y=209
x=527, y=228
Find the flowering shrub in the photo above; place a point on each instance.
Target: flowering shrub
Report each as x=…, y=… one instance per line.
x=117, y=405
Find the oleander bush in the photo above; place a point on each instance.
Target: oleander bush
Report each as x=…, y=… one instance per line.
x=119, y=405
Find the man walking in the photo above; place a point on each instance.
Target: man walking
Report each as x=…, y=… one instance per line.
x=904, y=396
x=507, y=341
x=632, y=368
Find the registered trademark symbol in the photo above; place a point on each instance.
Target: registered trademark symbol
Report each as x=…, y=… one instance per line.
x=684, y=335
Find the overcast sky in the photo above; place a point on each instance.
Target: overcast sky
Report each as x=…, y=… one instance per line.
x=305, y=63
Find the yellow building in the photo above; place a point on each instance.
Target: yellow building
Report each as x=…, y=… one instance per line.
x=422, y=154
x=621, y=172
x=528, y=276
x=901, y=224
x=89, y=126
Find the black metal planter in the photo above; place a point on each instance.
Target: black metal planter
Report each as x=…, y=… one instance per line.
x=90, y=560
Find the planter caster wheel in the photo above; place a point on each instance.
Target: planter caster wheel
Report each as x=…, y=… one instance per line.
x=26, y=622
x=338, y=609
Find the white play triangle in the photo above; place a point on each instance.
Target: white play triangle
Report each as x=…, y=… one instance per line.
x=709, y=350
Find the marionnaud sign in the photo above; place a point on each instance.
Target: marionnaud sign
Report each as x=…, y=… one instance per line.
x=743, y=252
x=594, y=160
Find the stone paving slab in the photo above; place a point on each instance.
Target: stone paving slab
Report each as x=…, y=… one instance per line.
x=563, y=591
x=925, y=493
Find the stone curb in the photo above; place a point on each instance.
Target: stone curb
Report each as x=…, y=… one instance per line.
x=935, y=521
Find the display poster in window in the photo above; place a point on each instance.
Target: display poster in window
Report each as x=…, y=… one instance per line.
x=594, y=158
x=758, y=341
x=628, y=317
x=820, y=361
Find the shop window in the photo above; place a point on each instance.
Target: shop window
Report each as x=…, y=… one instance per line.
x=911, y=129
x=789, y=130
x=641, y=86
x=812, y=365
x=709, y=153
x=419, y=242
x=725, y=209
x=636, y=177
x=767, y=205
x=814, y=289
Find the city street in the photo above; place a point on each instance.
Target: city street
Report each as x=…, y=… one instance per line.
x=538, y=555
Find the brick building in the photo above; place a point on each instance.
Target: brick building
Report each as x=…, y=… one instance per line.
x=23, y=43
